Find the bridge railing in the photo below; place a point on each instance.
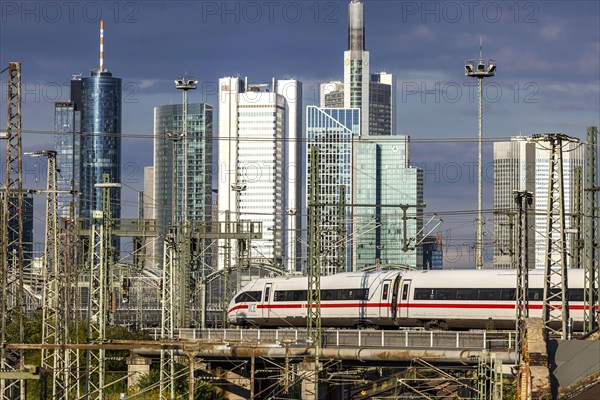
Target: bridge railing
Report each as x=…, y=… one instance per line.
x=362, y=338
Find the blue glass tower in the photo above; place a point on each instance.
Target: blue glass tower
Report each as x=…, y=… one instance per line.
x=100, y=139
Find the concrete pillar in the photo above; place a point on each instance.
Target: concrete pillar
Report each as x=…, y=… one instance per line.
x=309, y=378
x=136, y=367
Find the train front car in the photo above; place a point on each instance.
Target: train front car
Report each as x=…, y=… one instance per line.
x=244, y=308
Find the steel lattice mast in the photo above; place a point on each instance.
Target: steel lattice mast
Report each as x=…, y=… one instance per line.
x=54, y=302
x=12, y=233
x=523, y=200
x=100, y=287
x=313, y=319
x=170, y=314
x=591, y=286
x=555, y=309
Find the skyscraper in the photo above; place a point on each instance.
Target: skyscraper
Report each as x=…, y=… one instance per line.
x=100, y=139
x=514, y=170
x=385, y=182
x=67, y=141
x=373, y=94
x=259, y=162
x=98, y=97
x=334, y=131
x=168, y=120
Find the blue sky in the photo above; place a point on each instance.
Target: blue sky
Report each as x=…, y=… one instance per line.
x=548, y=76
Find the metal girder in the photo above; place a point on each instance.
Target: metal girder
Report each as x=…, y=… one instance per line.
x=170, y=314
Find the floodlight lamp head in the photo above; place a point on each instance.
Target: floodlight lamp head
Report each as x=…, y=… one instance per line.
x=468, y=69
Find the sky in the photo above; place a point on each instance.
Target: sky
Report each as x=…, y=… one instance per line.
x=547, y=53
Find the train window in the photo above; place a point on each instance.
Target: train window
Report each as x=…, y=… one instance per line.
x=327, y=295
x=298, y=295
x=246, y=297
x=444, y=294
x=423, y=294
x=576, y=294
x=267, y=292
x=384, y=295
x=280, y=295
x=405, y=292
x=535, y=294
x=508, y=294
x=489, y=294
x=466, y=294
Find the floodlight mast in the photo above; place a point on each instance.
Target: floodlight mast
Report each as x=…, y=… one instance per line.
x=480, y=69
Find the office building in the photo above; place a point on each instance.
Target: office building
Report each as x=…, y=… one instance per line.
x=388, y=197
x=67, y=145
x=374, y=94
x=334, y=131
x=514, y=170
x=433, y=256
x=260, y=163
x=100, y=140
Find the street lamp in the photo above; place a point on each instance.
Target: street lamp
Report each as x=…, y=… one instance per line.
x=480, y=69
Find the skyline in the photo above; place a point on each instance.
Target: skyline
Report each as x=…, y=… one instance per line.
x=547, y=54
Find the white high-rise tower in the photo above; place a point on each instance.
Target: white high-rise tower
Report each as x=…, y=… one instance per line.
x=356, y=65
x=260, y=162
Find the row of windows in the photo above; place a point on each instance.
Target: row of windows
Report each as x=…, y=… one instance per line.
x=487, y=294
x=301, y=295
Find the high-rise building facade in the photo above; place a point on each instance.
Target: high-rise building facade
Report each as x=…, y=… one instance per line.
x=67, y=144
x=388, y=197
x=168, y=143
x=100, y=139
x=382, y=104
x=514, y=170
x=433, y=256
x=334, y=132
x=373, y=94
x=356, y=65
x=520, y=165
x=260, y=163
x=573, y=157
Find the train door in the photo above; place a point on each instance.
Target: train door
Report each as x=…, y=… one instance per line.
x=384, y=303
x=266, y=301
x=404, y=298
x=395, y=298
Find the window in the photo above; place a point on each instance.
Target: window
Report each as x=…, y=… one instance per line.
x=248, y=297
x=421, y=294
x=386, y=287
x=489, y=294
x=267, y=292
x=405, y=292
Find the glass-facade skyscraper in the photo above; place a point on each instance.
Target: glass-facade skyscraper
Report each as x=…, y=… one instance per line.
x=67, y=144
x=100, y=140
x=169, y=119
x=333, y=131
x=385, y=182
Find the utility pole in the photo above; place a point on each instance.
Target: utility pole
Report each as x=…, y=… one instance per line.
x=12, y=307
x=591, y=291
x=523, y=200
x=555, y=309
x=101, y=288
x=480, y=69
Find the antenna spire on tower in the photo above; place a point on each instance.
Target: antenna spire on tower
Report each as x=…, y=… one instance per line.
x=481, y=47
x=101, y=45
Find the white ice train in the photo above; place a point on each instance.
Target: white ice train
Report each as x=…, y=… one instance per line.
x=458, y=299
